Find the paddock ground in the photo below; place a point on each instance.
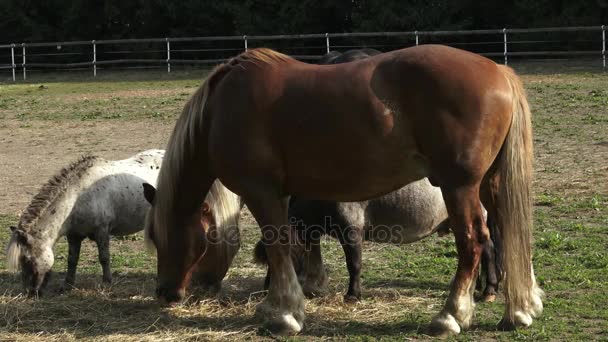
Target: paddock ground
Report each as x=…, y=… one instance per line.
x=46, y=124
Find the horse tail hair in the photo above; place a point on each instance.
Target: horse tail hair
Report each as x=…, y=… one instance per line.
x=148, y=239
x=259, y=254
x=13, y=253
x=514, y=204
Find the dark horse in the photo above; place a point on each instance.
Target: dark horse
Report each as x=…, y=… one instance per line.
x=416, y=210
x=335, y=57
x=409, y=214
x=269, y=126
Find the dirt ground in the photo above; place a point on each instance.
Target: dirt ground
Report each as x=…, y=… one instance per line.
x=30, y=155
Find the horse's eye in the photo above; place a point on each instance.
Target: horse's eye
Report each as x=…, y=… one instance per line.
x=205, y=208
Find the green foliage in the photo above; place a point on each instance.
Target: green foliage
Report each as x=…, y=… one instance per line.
x=60, y=20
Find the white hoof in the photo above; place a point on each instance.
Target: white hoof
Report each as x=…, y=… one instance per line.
x=284, y=325
x=292, y=323
x=444, y=325
x=536, y=306
x=522, y=319
x=281, y=323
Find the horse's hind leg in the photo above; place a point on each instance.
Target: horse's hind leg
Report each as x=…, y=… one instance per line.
x=350, y=239
x=102, y=238
x=314, y=277
x=283, y=307
x=74, y=243
x=488, y=266
x=470, y=232
x=492, y=249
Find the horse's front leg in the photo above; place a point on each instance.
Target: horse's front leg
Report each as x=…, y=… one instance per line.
x=283, y=307
x=470, y=231
x=74, y=243
x=102, y=238
x=350, y=239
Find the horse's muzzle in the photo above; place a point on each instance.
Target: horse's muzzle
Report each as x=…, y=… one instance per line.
x=167, y=297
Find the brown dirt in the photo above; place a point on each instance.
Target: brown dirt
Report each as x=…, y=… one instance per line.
x=123, y=94
x=31, y=154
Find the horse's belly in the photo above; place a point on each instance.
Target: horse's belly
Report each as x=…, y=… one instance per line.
x=368, y=177
x=406, y=215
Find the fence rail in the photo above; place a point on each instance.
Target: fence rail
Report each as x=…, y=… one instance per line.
x=499, y=43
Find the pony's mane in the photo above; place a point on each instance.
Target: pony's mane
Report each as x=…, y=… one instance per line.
x=53, y=188
x=183, y=146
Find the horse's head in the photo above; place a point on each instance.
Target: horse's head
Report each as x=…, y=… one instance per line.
x=33, y=257
x=178, y=254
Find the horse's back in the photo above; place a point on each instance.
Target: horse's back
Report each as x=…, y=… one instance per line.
x=149, y=158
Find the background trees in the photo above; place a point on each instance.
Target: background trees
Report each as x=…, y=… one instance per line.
x=58, y=20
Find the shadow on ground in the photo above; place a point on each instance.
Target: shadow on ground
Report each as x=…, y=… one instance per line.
x=129, y=307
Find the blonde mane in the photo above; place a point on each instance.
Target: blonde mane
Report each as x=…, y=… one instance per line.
x=261, y=55
x=184, y=146
x=225, y=207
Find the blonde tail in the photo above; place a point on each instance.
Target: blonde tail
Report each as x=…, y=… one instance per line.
x=514, y=207
x=13, y=253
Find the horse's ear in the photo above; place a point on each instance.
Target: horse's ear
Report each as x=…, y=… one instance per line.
x=149, y=193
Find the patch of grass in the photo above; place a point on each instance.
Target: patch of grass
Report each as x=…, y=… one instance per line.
x=130, y=98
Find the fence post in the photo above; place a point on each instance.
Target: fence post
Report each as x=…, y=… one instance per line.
x=168, y=55
x=94, y=58
x=504, y=34
x=245, y=40
x=23, y=65
x=13, y=66
x=604, y=46
x=416, y=34
x=327, y=41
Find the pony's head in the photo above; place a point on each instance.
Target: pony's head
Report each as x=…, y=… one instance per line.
x=33, y=258
x=178, y=256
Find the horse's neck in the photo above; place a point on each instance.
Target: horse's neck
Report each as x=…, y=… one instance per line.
x=53, y=225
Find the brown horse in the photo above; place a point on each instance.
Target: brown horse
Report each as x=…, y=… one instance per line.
x=218, y=219
x=269, y=126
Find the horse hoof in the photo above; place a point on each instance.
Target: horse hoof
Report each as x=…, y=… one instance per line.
x=486, y=298
x=286, y=325
x=313, y=291
x=489, y=298
x=520, y=319
x=351, y=299
x=444, y=325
